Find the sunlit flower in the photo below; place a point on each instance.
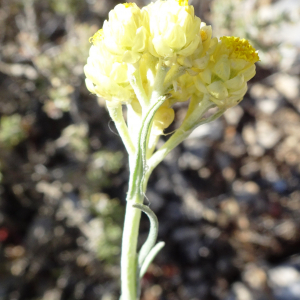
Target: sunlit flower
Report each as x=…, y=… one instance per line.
x=125, y=33
x=174, y=28
x=199, y=58
x=106, y=74
x=135, y=40
x=150, y=59
x=231, y=66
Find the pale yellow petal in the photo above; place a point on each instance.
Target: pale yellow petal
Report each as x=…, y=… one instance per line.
x=218, y=90
x=222, y=68
x=235, y=83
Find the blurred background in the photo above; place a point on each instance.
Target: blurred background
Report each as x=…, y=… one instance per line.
x=228, y=198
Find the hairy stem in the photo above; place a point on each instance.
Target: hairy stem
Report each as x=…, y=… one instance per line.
x=135, y=196
x=137, y=85
x=129, y=246
x=115, y=112
x=188, y=125
x=158, y=86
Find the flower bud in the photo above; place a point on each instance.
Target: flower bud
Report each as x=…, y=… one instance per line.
x=163, y=118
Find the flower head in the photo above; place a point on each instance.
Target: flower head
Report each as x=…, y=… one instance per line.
x=183, y=2
x=106, y=74
x=199, y=59
x=174, y=28
x=97, y=37
x=135, y=44
x=230, y=67
x=239, y=48
x=125, y=32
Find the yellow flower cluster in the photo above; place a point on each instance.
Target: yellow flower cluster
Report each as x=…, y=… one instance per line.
x=166, y=33
x=230, y=67
x=106, y=74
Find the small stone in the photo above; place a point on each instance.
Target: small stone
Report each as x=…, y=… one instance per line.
x=234, y=115
x=287, y=230
x=283, y=276
x=285, y=282
x=228, y=173
x=267, y=135
x=213, y=131
x=250, y=169
x=245, y=190
x=249, y=135
x=255, y=276
x=280, y=186
x=230, y=207
x=241, y=291
x=288, y=85
x=256, y=150
x=204, y=173
x=190, y=161
x=52, y=294
x=268, y=106
x=204, y=251
x=267, y=99
x=243, y=222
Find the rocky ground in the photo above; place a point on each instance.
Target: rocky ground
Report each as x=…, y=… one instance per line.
x=228, y=198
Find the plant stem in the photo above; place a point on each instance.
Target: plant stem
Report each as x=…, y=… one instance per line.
x=129, y=248
x=173, y=75
x=129, y=260
x=180, y=134
x=136, y=83
x=115, y=112
x=158, y=87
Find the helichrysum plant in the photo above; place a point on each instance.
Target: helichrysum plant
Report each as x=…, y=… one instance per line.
x=147, y=60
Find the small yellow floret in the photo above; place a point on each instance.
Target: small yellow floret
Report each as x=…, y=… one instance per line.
x=183, y=2
x=203, y=35
x=97, y=37
x=130, y=4
x=240, y=48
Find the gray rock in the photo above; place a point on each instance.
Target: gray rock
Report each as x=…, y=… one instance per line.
x=234, y=115
x=245, y=190
x=285, y=282
x=267, y=99
x=213, y=131
x=267, y=135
